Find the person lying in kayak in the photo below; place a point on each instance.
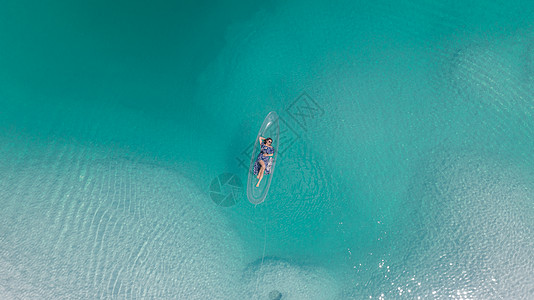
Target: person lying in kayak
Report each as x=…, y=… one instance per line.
x=263, y=160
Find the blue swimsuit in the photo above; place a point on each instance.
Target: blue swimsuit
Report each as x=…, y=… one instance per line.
x=267, y=150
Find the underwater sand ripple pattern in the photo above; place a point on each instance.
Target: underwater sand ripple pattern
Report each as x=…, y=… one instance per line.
x=83, y=224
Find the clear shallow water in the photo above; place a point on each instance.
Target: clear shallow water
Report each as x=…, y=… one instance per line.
x=409, y=174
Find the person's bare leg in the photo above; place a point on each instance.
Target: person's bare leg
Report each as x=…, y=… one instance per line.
x=262, y=167
x=260, y=173
x=261, y=176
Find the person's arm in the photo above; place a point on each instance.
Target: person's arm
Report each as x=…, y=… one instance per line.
x=261, y=140
x=268, y=154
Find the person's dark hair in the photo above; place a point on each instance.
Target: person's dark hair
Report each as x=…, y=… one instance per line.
x=267, y=139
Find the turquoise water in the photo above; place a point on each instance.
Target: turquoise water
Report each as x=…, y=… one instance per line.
x=406, y=151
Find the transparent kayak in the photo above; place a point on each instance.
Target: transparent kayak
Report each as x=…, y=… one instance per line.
x=269, y=128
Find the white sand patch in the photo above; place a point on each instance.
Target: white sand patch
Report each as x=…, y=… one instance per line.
x=278, y=279
x=82, y=223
